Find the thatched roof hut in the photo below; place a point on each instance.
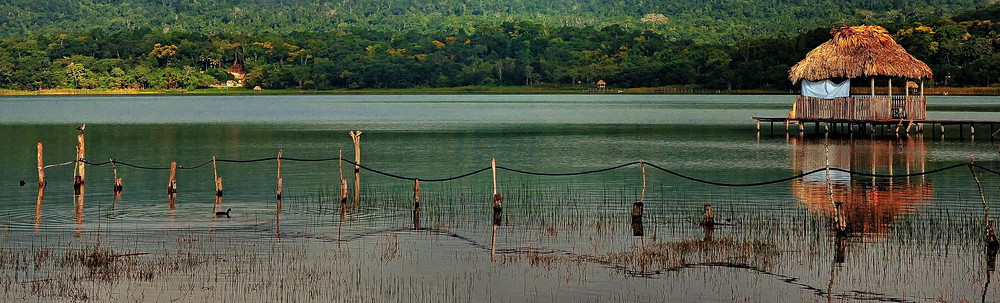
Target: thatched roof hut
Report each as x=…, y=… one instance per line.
x=856, y=51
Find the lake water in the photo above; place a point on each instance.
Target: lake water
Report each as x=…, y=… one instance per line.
x=559, y=238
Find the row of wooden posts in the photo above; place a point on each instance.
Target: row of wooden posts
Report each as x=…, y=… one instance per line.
x=80, y=177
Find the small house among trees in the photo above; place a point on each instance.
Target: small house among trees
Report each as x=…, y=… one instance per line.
x=601, y=84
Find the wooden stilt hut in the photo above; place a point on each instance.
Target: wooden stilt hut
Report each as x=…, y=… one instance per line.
x=865, y=51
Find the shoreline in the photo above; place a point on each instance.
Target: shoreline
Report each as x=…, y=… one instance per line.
x=503, y=90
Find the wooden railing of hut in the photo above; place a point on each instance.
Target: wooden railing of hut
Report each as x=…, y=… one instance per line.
x=862, y=108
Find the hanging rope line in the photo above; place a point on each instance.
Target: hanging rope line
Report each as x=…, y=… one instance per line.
x=524, y=172
x=986, y=169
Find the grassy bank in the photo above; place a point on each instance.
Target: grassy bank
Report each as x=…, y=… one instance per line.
x=542, y=89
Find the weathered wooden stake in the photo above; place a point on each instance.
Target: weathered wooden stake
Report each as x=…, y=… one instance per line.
x=172, y=184
x=81, y=154
x=416, y=193
x=218, y=181
x=41, y=167
x=118, y=181
x=279, y=174
x=637, y=229
x=497, y=197
x=637, y=207
x=637, y=212
x=416, y=218
x=991, y=235
x=709, y=219
x=840, y=249
x=356, y=137
x=642, y=166
x=343, y=191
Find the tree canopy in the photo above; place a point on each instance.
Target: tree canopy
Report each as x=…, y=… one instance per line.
x=961, y=53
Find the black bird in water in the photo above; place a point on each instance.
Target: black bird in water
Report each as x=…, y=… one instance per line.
x=223, y=213
x=82, y=127
x=22, y=182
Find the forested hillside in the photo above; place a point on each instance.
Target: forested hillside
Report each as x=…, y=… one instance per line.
x=723, y=21
x=964, y=51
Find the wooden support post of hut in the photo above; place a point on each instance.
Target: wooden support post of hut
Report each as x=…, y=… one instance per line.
x=279, y=175
x=80, y=167
x=218, y=181
x=356, y=137
x=497, y=197
x=41, y=167
x=865, y=51
x=172, y=184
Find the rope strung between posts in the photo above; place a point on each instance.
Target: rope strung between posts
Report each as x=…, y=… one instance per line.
x=514, y=170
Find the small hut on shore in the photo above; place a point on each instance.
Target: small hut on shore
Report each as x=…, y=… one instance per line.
x=601, y=85
x=857, y=51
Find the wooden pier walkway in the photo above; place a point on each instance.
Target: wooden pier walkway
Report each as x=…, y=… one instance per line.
x=894, y=126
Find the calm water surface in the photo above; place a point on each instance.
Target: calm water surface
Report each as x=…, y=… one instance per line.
x=567, y=238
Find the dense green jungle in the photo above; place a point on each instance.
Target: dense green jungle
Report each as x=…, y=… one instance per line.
x=305, y=44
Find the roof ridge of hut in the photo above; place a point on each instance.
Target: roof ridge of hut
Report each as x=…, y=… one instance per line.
x=855, y=51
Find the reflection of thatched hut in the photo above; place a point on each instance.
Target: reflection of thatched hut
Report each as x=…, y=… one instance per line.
x=857, y=51
x=870, y=205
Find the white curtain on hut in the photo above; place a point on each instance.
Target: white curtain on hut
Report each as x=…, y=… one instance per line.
x=826, y=89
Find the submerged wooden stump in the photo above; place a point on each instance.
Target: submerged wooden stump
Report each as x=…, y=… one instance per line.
x=709, y=220
x=637, y=209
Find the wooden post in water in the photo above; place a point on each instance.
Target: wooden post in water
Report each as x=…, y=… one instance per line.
x=279, y=174
x=218, y=181
x=497, y=197
x=172, y=184
x=416, y=203
x=709, y=219
x=416, y=193
x=356, y=137
x=343, y=191
x=81, y=154
x=991, y=234
x=118, y=181
x=41, y=167
x=840, y=249
x=637, y=207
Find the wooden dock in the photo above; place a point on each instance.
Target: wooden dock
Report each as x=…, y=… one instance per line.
x=875, y=127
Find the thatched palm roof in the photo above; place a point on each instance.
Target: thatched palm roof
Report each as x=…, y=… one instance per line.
x=856, y=51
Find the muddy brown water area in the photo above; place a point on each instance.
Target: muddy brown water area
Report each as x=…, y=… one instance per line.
x=559, y=238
